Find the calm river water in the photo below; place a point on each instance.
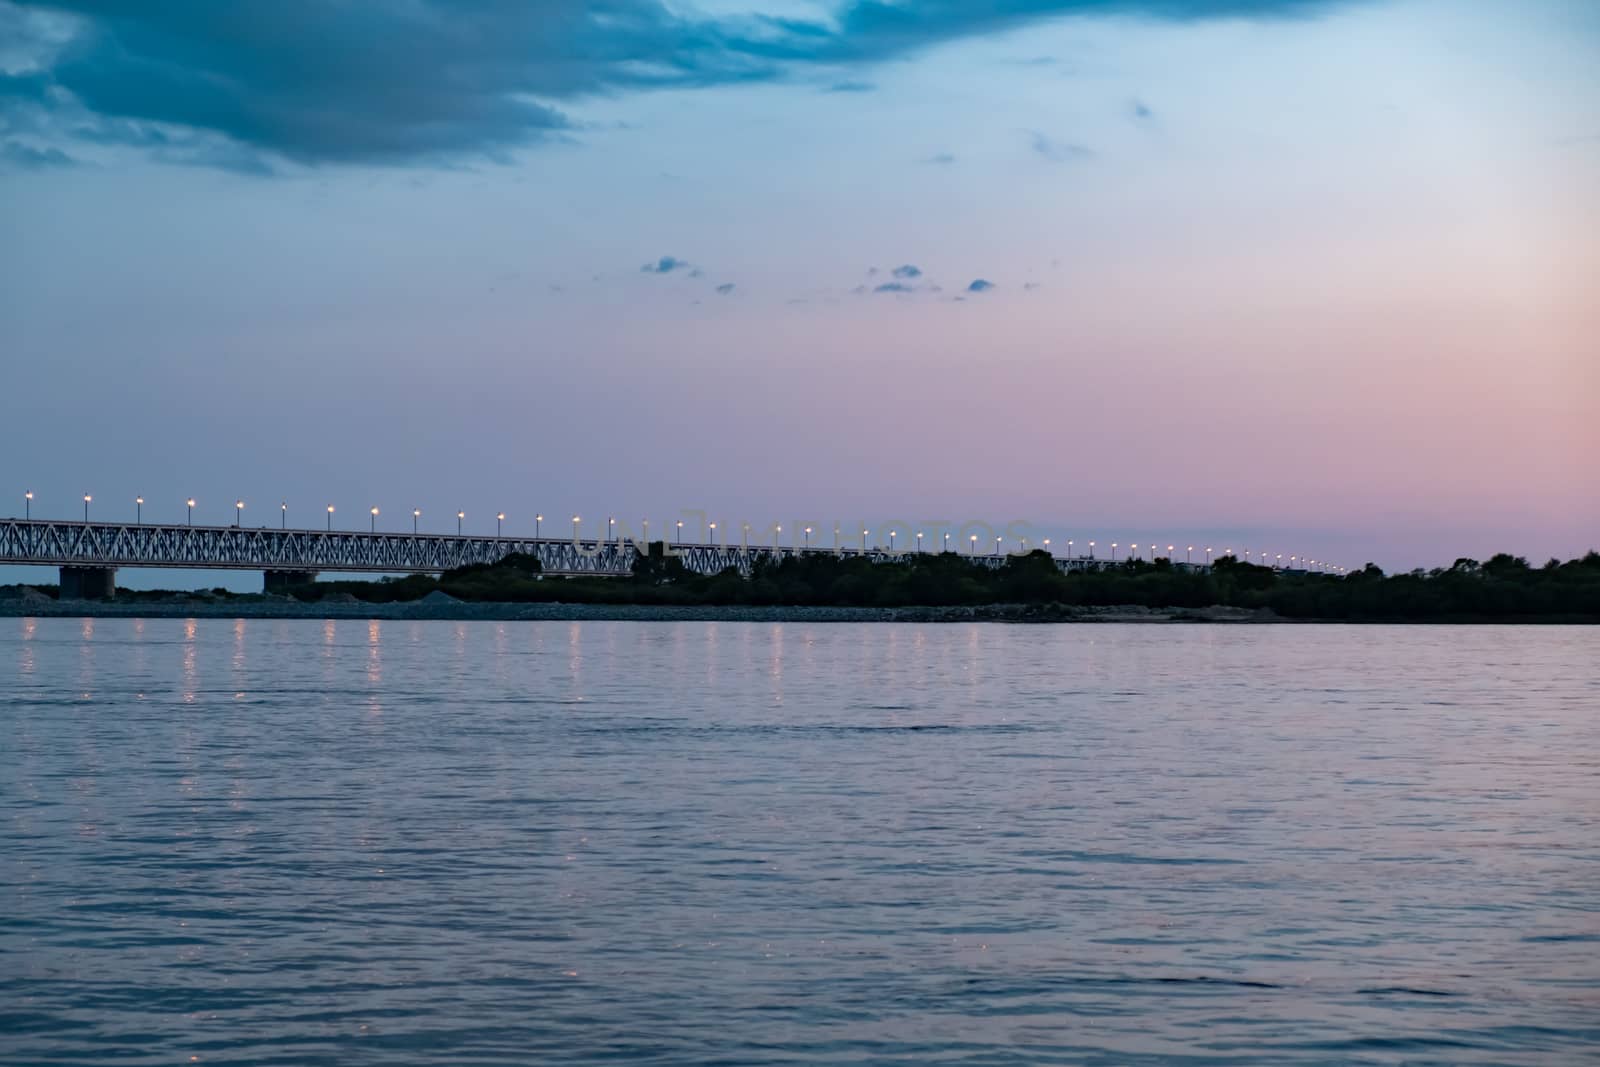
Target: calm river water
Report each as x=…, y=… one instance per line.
x=292, y=842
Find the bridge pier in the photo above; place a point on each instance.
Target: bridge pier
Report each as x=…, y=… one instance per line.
x=286, y=581
x=88, y=583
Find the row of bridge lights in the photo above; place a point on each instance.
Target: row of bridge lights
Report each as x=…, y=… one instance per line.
x=1134, y=549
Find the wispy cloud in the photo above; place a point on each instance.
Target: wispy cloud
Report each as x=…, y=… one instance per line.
x=666, y=265
x=1057, y=151
x=26, y=157
x=851, y=87
x=725, y=288
x=941, y=158
x=895, y=287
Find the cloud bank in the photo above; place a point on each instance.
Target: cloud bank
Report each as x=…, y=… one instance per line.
x=319, y=82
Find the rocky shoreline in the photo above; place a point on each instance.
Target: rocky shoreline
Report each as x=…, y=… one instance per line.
x=437, y=606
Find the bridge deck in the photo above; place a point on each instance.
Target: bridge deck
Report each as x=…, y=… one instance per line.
x=47, y=542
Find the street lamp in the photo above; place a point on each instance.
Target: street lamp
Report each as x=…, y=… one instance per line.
x=1113, y=551
x=416, y=513
x=499, y=518
x=863, y=542
x=460, y=515
x=1047, y=545
x=537, y=519
x=997, y=544
x=919, y=542
x=1069, y=548
x=86, y=499
x=1091, y=550
x=191, y=511
x=330, y=518
x=1208, y=556
x=238, y=512
x=1169, y=553
x=808, y=535
x=138, y=514
x=947, y=542
x=374, y=520
x=713, y=528
x=680, y=531
x=891, y=539
x=27, y=505
x=972, y=546
x=1188, y=554
x=283, y=520
x=611, y=525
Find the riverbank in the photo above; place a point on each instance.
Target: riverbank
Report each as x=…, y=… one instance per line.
x=443, y=608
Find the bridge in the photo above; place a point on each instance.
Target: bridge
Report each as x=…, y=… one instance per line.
x=90, y=553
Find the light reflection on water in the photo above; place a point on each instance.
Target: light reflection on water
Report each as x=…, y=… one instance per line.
x=306, y=842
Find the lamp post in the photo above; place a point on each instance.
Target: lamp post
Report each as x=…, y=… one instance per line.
x=460, y=517
x=947, y=542
x=283, y=515
x=919, y=542
x=1113, y=552
x=1169, y=553
x=374, y=520
x=27, y=505
x=1047, y=546
x=537, y=519
x=238, y=512
x=808, y=537
x=997, y=544
x=1280, y=561
x=1091, y=550
x=1188, y=555
x=891, y=539
x=86, y=499
x=499, y=519
x=138, y=512
x=1069, y=548
x=863, y=542
x=330, y=518
x=191, y=510
x=972, y=546
x=611, y=526
x=416, y=514
x=1208, y=555
x=713, y=528
x=680, y=531
x=575, y=521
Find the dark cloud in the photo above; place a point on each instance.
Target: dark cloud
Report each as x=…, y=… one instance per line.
x=980, y=285
x=666, y=265
x=725, y=288
x=907, y=271
x=895, y=287
x=1058, y=151
x=376, y=81
x=26, y=157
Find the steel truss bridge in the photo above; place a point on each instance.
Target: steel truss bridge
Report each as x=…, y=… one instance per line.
x=89, y=553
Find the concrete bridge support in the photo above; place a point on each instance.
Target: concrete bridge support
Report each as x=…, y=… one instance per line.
x=88, y=583
x=286, y=581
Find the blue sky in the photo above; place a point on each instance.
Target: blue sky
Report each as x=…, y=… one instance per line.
x=1304, y=274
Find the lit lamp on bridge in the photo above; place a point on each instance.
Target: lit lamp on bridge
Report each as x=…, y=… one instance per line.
x=27, y=505
x=283, y=515
x=499, y=518
x=460, y=515
x=138, y=513
x=1113, y=552
x=972, y=546
x=575, y=521
x=374, y=520
x=537, y=519
x=997, y=545
x=680, y=531
x=416, y=513
x=808, y=535
x=190, y=502
x=86, y=499
x=863, y=541
x=919, y=542
x=238, y=512
x=330, y=518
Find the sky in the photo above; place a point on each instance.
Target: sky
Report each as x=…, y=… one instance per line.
x=1295, y=276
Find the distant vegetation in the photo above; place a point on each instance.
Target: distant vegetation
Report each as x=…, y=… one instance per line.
x=1506, y=587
